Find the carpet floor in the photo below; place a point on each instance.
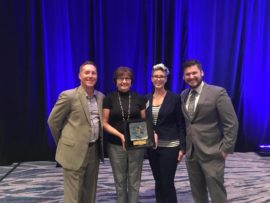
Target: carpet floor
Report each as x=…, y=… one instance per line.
x=247, y=179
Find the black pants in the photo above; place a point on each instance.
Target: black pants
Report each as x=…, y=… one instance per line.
x=163, y=162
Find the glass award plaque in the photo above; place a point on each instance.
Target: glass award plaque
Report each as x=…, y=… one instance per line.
x=139, y=134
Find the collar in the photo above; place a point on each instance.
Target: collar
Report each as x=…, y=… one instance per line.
x=124, y=94
x=199, y=88
x=88, y=97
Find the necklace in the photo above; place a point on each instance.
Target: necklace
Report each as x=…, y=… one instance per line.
x=122, y=110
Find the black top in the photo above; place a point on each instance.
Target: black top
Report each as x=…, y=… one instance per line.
x=111, y=102
x=170, y=123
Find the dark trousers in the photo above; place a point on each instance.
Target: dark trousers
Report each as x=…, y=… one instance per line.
x=163, y=162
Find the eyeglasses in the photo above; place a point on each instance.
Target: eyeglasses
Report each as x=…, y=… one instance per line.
x=122, y=79
x=161, y=77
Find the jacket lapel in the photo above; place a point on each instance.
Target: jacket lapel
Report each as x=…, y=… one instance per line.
x=201, y=100
x=163, y=107
x=99, y=102
x=82, y=96
x=184, y=101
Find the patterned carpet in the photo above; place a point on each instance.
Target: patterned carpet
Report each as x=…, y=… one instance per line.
x=247, y=179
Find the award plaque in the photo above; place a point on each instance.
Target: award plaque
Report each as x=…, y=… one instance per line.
x=139, y=134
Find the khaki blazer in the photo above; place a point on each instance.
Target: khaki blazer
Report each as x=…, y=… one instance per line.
x=70, y=126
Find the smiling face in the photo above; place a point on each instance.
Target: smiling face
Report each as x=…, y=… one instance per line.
x=123, y=82
x=88, y=76
x=123, y=77
x=159, y=79
x=193, y=76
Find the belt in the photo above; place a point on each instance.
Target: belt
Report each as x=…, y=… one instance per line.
x=92, y=143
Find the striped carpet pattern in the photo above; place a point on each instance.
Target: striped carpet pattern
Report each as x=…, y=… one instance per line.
x=247, y=179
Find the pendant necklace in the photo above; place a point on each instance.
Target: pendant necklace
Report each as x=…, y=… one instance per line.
x=122, y=110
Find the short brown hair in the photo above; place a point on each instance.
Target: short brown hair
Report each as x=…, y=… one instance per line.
x=87, y=63
x=120, y=71
x=192, y=62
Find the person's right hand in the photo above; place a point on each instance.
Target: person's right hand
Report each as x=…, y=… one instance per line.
x=180, y=156
x=123, y=142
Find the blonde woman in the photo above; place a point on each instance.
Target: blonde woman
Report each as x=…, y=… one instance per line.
x=164, y=109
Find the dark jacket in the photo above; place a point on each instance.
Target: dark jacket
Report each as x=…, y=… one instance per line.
x=170, y=122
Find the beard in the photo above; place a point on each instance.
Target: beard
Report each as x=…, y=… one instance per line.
x=199, y=82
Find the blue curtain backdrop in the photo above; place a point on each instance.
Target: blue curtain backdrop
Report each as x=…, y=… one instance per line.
x=44, y=42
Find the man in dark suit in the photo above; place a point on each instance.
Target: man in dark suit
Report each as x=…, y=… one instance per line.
x=75, y=123
x=211, y=132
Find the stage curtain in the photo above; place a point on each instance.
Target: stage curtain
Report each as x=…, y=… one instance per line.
x=44, y=42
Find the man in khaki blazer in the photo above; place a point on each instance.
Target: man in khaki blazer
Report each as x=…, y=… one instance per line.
x=211, y=132
x=75, y=123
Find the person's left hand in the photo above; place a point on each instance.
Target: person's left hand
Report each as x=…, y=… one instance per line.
x=155, y=140
x=224, y=154
x=180, y=155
